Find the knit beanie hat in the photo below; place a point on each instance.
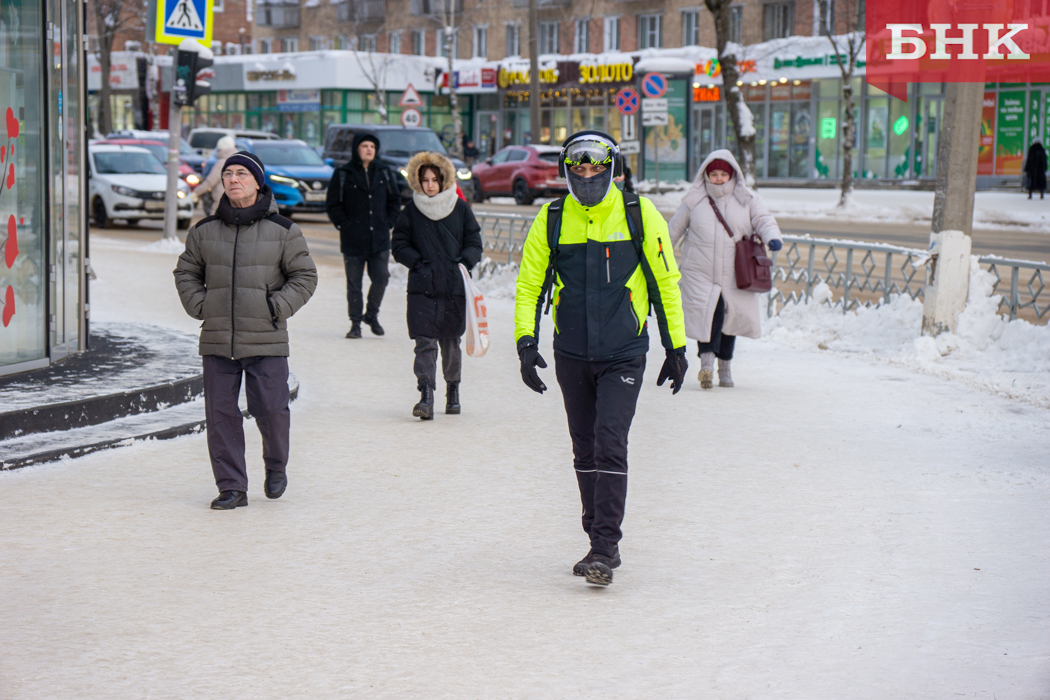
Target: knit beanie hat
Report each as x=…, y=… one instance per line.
x=249, y=161
x=716, y=164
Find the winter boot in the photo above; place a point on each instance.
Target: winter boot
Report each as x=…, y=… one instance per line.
x=373, y=323
x=580, y=567
x=355, y=330
x=599, y=571
x=725, y=377
x=424, y=410
x=707, y=370
x=452, y=398
x=228, y=500
x=275, y=484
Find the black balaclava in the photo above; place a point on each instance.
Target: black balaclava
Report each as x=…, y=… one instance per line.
x=590, y=191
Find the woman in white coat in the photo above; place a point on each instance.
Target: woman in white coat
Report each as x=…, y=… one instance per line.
x=716, y=311
x=225, y=148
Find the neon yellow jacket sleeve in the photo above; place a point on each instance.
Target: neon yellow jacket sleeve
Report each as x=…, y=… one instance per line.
x=661, y=275
x=528, y=298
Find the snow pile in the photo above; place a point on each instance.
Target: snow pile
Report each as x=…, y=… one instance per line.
x=1011, y=358
x=168, y=246
x=496, y=281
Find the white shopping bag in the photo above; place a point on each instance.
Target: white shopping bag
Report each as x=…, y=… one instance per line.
x=477, y=317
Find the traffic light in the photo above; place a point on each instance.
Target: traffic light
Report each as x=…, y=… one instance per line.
x=189, y=62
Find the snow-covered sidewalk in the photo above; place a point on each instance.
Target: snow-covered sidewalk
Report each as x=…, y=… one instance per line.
x=837, y=526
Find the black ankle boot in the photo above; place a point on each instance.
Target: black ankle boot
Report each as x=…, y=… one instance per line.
x=424, y=410
x=373, y=323
x=452, y=398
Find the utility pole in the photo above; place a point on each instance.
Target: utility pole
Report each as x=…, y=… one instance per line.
x=534, y=72
x=190, y=59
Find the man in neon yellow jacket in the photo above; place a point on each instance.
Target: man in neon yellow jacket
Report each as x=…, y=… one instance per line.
x=598, y=259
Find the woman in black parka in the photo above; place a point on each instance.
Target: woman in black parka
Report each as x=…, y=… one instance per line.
x=1035, y=169
x=434, y=233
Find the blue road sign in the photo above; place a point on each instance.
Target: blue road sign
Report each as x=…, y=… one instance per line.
x=627, y=101
x=184, y=19
x=654, y=85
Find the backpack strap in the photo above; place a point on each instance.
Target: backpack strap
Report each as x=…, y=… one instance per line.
x=554, y=211
x=633, y=208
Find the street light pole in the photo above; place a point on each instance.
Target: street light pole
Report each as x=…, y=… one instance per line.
x=171, y=199
x=534, y=73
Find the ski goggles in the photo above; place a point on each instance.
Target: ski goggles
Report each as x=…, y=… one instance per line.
x=590, y=151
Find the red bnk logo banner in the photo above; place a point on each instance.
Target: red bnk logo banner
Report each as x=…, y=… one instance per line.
x=960, y=41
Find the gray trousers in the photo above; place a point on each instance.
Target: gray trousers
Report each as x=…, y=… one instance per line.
x=267, y=390
x=425, y=365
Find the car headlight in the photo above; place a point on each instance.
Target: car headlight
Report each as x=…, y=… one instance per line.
x=181, y=194
x=284, y=180
x=404, y=173
x=463, y=174
x=126, y=191
x=193, y=179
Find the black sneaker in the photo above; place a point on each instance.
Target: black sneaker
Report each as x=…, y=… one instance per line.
x=373, y=323
x=228, y=500
x=424, y=410
x=275, y=484
x=355, y=330
x=599, y=571
x=580, y=567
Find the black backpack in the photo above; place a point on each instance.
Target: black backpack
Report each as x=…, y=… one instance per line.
x=631, y=206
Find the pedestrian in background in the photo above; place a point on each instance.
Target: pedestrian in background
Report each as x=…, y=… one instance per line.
x=716, y=310
x=363, y=202
x=212, y=184
x=435, y=232
x=1035, y=169
x=244, y=272
x=470, y=152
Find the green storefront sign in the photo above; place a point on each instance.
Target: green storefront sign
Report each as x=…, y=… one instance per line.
x=671, y=138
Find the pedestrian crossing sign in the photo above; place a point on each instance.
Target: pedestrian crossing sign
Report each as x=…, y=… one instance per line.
x=178, y=20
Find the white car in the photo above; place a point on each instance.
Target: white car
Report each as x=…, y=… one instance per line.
x=127, y=182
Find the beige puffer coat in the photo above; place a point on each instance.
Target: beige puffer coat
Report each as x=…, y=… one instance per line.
x=244, y=273
x=708, y=255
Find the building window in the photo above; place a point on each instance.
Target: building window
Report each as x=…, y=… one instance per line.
x=289, y=44
x=611, y=34
x=691, y=28
x=548, y=37
x=736, y=20
x=278, y=16
x=395, y=42
x=265, y=46
x=447, y=42
x=481, y=42
x=583, y=35
x=826, y=19
x=778, y=20
x=419, y=42
x=650, y=32
x=218, y=6
x=513, y=47
x=368, y=43
x=318, y=43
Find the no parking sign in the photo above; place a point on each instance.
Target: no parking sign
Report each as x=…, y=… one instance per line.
x=654, y=85
x=627, y=101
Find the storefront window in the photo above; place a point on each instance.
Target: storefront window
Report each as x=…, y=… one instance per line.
x=827, y=156
x=876, y=135
x=900, y=132
x=23, y=331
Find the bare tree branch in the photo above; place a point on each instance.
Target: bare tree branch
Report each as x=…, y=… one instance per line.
x=853, y=44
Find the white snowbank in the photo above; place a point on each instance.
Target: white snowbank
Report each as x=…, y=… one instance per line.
x=168, y=246
x=1011, y=358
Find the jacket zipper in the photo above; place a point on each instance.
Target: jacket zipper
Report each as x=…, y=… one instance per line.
x=608, y=274
x=666, y=267
x=233, y=292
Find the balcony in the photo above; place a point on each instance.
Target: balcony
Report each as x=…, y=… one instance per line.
x=278, y=16
x=361, y=11
x=434, y=8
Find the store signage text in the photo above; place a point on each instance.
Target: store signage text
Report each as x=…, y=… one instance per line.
x=521, y=77
x=608, y=73
x=712, y=69
x=707, y=94
x=918, y=47
x=804, y=61
x=268, y=75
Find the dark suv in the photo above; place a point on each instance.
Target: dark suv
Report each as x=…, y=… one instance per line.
x=397, y=145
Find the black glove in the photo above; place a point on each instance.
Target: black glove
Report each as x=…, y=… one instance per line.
x=675, y=367
x=530, y=360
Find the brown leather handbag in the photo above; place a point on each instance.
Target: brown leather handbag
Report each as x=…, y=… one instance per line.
x=754, y=269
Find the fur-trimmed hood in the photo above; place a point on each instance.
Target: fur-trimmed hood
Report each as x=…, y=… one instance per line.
x=698, y=191
x=448, y=171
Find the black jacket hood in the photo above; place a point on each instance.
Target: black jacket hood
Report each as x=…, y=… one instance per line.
x=358, y=139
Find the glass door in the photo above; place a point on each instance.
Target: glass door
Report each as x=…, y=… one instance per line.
x=488, y=131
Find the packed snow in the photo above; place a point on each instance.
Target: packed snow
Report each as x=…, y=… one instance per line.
x=836, y=526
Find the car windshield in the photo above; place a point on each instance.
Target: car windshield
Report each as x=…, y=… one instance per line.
x=206, y=139
x=160, y=152
x=185, y=149
x=396, y=142
x=277, y=153
x=127, y=163
x=551, y=157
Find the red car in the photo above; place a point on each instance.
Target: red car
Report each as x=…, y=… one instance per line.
x=160, y=150
x=524, y=172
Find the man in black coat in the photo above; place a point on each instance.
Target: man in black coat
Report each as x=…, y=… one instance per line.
x=363, y=202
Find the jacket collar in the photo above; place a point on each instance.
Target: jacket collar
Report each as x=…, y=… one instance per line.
x=263, y=207
x=603, y=208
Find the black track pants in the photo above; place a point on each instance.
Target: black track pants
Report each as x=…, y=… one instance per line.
x=267, y=391
x=600, y=398
x=378, y=274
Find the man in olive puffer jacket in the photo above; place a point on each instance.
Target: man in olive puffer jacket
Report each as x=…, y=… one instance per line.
x=245, y=271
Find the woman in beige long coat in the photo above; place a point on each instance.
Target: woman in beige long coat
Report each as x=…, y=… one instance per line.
x=716, y=311
x=225, y=148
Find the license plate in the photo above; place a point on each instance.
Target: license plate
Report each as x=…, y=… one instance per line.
x=154, y=206
x=316, y=196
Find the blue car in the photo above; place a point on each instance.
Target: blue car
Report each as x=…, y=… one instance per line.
x=294, y=171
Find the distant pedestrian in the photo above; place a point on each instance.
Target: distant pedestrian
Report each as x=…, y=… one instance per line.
x=716, y=310
x=363, y=202
x=245, y=271
x=212, y=184
x=1035, y=169
x=435, y=232
x=470, y=153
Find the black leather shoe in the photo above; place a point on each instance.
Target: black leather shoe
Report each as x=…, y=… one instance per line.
x=276, y=483
x=599, y=571
x=452, y=398
x=373, y=323
x=424, y=410
x=580, y=567
x=228, y=500
x=355, y=330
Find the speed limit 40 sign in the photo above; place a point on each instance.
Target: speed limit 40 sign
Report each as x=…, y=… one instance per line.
x=411, y=117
